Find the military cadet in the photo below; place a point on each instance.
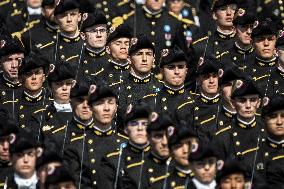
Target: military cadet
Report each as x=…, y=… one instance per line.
x=100, y=138
x=94, y=58
x=33, y=100
x=174, y=67
x=140, y=77
x=68, y=44
x=25, y=18
x=264, y=40
x=24, y=151
x=242, y=51
x=117, y=66
x=54, y=120
x=239, y=138
x=11, y=55
x=47, y=27
x=232, y=175
x=60, y=178
x=156, y=166
x=276, y=81
x=204, y=164
x=130, y=155
x=222, y=38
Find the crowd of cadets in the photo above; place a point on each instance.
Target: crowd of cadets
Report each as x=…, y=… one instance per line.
x=141, y=94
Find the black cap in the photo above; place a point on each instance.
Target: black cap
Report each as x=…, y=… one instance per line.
x=159, y=122
x=94, y=19
x=9, y=46
x=136, y=111
x=272, y=104
x=58, y=175
x=47, y=3
x=280, y=40
x=24, y=140
x=80, y=89
x=7, y=125
x=62, y=71
x=243, y=17
x=179, y=133
x=208, y=65
x=219, y=3
x=121, y=31
x=48, y=156
x=229, y=168
x=33, y=61
x=244, y=87
x=141, y=42
x=100, y=92
x=265, y=27
x=172, y=55
x=204, y=150
x=86, y=6
x=230, y=74
x=66, y=5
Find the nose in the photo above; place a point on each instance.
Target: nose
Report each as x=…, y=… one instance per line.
x=64, y=87
x=6, y=145
x=185, y=148
x=279, y=120
x=106, y=106
x=229, y=11
x=34, y=76
x=25, y=157
x=233, y=184
x=248, y=104
x=85, y=104
x=14, y=63
x=144, y=58
x=249, y=30
x=176, y=70
x=211, y=80
x=69, y=18
x=266, y=42
x=165, y=140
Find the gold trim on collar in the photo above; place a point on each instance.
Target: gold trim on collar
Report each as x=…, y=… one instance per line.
x=244, y=126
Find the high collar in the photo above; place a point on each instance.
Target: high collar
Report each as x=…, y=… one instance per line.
x=157, y=159
x=82, y=125
x=225, y=35
x=10, y=84
x=95, y=54
x=208, y=100
x=138, y=149
x=100, y=132
x=26, y=183
x=50, y=28
x=243, y=51
x=245, y=125
x=137, y=79
x=33, y=99
x=266, y=63
x=150, y=14
x=70, y=39
x=228, y=113
x=275, y=144
x=119, y=66
x=183, y=172
x=200, y=185
x=172, y=91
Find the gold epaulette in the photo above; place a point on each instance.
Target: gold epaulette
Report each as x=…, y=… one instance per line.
x=113, y=154
x=117, y=21
x=150, y=95
x=249, y=150
x=199, y=40
x=278, y=157
x=222, y=54
x=77, y=138
x=4, y=2
x=223, y=130
x=135, y=164
x=122, y=136
x=27, y=28
x=182, y=105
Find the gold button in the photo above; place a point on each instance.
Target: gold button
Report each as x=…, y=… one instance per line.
x=107, y=16
x=128, y=158
x=217, y=52
x=90, y=141
x=104, y=2
x=62, y=57
x=22, y=116
x=216, y=42
x=281, y=8
x=14, y=4
x=266, y=154
x=235, y=134
x=93, y=160
x=196, y=118
x=106, y=9
x=164, y=99
x=238, y=143
x=95, y=182
x=152, y=33
x=117, y=140
x=165, y=108
x=153, y=23
x=86, y=71
x=23, y=126
x=150, y=170
x=91, y=150
x=60, y=47
x=54, y=37
x=94, y=171
x=239, y=153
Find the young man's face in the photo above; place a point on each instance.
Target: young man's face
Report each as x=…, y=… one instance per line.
x=154, y=5
x=233, y=181
x=159, y=143
x=243, y=33
x=227, y=91
x=96, y=36
x=265, y=46
x=136, y=131
x=275, y=124
x=61, y=90
x=104, y=110
x=4, y=148
x=69, y=20
x=10, y=65
x=81, y=108
x=142, y=61
x=246, y=106
x=48, y=12
x=24, y=163
x=42, y=172
x=175, y=73
x=209, y=83
x=34, y=3
x=33, y=80
x=175, y=5
x=118, y=49
x=224, y=15
x=180, y=152
x=205, y=170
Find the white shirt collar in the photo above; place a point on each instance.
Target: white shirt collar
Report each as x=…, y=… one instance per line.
x=62, y=107
x=34, y=11
x=200, y=185
x=26, y=183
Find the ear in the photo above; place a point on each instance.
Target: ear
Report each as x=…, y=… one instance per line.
x=214, y=16
x=73, y=83
x=107, y=49
x=126, y=130
x=39, y=152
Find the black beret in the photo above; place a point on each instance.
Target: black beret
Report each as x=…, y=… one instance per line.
x=265, y=27
x=58, y=175
x=280, y=40
x=62, y=71
x=121, y=31
x=7, y=125
x=231, y=73
x=48, y=156
x=161, y=122
x=179, y=133
x=141, y=42
x=24, y=140
x=47, y=2
x=243, y=17
x=136, y=111
x=273, y=104
x=66, y=5
x=101, y=91
x=172, y=55
x=33, y=61
x=204, y=150
x=94, y=19
x=80, y=89
x=244, y=87
x=209, y=65
x=9, y=46
x=219, y=3
x=230, y=167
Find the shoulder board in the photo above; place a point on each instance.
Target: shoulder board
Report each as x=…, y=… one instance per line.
x=182, y=105
x=250, y=150
x=117, y=21
x=179, y=187
x=135, y=164
x=153, y=180
x=123, y=136
x=150, y=95
x=222, y=54
x=175, y=16
x=113, y=154
x=223, y=130
x=199, y=40
x=77, y=138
